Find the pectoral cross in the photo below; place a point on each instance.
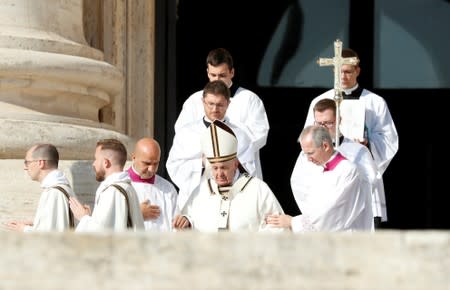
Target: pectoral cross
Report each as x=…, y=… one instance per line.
x=337, y=61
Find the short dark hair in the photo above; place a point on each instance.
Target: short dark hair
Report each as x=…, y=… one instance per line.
x=348, y=52
x=47, y=152
x=217, y=87
x=219, y=56
x=117, y=147
x=325, y=104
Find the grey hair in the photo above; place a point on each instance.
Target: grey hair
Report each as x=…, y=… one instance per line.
x=319, y=135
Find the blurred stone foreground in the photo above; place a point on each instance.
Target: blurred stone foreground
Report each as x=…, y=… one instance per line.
x=188, y=260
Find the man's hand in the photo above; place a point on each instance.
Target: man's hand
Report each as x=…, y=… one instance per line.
x=362, y=141
x=150, y=211
x=279, y=220
x=79, y=210
x=17, y=225
x=180, y=223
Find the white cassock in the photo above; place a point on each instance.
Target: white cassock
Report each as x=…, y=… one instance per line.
x=52, y=213
x=246, y=110
x=332, y=200
x=243, y=208
x=163, y=194
x=382, y=134
x=360, y=155
x=184, y=163
x=110, y=210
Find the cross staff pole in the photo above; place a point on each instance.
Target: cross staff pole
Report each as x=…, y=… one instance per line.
x=337, y=62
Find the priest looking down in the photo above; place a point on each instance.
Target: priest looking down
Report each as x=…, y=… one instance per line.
x=325, y=115
x=157, y=196
x=329, y=192
x=185, y=163
x=230, y=200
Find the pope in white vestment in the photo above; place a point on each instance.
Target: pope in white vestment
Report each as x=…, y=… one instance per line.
x=185, y=163
x=110, y=209
x=243, y=208
x=52, y=213
x=229, y=200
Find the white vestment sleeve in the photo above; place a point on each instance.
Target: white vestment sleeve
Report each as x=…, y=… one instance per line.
x=52, y=212
x=184, y=163
x=382, y=134
x=333, y=201
x=109, y=213
x=192, y=110
x=247, y=108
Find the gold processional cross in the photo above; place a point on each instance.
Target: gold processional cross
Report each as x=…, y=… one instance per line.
x=337, y=61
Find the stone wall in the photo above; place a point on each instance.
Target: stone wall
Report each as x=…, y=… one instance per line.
x=384, y=260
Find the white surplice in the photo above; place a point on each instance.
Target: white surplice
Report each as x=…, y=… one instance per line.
x=52, y=213
x=110, y=210
x=360, y=155
x=184, y=163
x=334, y=200
x=246, y=110
x=243, y=208
x=163, y=194
x=382, y=136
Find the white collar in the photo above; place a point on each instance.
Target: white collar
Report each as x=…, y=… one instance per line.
x=349, y=91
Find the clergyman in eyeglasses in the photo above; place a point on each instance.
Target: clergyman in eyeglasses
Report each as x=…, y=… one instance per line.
x=186, y=163
x=53, y=211
x=325, y=116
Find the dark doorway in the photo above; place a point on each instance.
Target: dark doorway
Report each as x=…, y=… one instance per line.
x=415, y=190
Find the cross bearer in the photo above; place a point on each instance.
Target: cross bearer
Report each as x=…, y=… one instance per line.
x=380, y=134
x=338, y=61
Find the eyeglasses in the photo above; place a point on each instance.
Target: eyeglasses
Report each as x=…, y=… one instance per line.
x=327, y=124
x=348, y=72
x=26, y=162
x=211, y=106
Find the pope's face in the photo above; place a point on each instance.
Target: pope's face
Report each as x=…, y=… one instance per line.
x=223, y=172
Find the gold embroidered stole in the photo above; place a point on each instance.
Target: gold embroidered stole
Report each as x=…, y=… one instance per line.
x=226, y=194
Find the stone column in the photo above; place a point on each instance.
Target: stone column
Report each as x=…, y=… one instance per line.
x=52, y=87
